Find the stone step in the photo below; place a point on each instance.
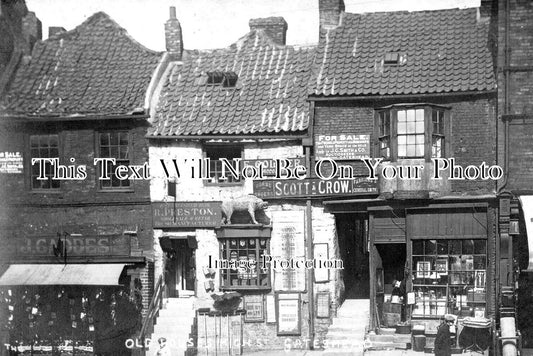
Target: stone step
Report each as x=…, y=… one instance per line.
x=359, y=329
x=386, y=346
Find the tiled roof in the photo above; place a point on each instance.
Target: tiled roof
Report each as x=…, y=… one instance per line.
x=97, y=68
x=269, y=97
x=439, y=51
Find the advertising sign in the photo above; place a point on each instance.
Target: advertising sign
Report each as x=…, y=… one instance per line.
x=11, y=162
x=342, y=147
x=187, y=214
x=314, y=187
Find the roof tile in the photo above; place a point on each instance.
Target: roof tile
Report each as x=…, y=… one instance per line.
x=447, y=47
x=97, y=68
x=272, y=79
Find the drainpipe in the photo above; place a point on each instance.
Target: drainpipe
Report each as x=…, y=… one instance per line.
x=507, y=324
x=308, y=142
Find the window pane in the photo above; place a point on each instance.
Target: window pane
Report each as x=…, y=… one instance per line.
x=418, y=247
x=402, y=127
x=402, y=150
x=430, y=247
x=410, y=115
x=468, y=247
x=420, y=126
x=104, y=139
x=419, y=152
x=480, y=247
x=401, y=115
x=44, y=146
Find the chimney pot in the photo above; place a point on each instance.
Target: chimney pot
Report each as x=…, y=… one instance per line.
x=274, y=27
x=172, y=12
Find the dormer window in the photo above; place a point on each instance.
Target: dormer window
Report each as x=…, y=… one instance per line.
x=391, y=58
x=226, y=79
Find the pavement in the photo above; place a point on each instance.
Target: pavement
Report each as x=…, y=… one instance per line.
x=348, y=353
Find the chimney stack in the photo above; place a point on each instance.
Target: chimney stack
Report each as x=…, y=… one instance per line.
x=55, y=30
x=173, y=37
x=487, y=8
x=330, y=13
x=32, y=29
x=274, y=27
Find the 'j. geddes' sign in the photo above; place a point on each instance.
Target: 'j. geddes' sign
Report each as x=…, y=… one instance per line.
x=187, y=214
x=108, y=245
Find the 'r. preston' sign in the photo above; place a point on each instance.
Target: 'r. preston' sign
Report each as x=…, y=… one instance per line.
x=187, y=214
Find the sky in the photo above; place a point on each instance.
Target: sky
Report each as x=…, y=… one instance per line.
x=213, y=23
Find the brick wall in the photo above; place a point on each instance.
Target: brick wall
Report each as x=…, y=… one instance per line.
x=473, y=133
x=520, y=90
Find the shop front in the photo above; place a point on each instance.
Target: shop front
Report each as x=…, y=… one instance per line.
x=426, y=260
x=79, y=295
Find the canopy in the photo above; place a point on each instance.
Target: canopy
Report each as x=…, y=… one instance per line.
x=103, y=274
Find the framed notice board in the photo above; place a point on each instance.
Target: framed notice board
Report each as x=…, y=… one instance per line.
x=322, y=305
x=289, y=314
x=254, y=306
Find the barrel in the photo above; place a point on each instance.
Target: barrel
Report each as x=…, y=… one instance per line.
x=419, y=343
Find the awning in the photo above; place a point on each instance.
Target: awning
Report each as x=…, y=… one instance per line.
x=102, y=274
x=527, y=207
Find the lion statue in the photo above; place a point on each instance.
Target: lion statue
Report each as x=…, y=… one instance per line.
x=249, y=203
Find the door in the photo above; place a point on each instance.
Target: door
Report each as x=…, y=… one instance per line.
x=181, y=270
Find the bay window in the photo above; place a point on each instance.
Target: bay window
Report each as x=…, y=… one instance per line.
x=412, y=131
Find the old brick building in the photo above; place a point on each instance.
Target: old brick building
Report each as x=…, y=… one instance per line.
x=414, y=88
x=68, y=233
x=248, y=102
x=515, y=85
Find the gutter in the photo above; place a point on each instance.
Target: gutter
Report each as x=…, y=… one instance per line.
x=44, y=118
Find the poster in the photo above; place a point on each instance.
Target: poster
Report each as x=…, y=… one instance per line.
x=288, y=242
x=254, y=306
x=289, y=314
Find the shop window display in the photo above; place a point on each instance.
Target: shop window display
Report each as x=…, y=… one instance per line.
x=243, y=253
x=449, y=277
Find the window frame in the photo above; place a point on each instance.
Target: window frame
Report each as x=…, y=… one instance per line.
x=98, y=151
x=229, y=182
x=393, y=134
x=226, y=274
x=30, y=166
x=454, y=280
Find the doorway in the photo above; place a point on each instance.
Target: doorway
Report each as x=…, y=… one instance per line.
x=180, y=269
x=352, y=235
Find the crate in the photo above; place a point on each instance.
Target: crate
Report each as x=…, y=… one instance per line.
x=391, y=319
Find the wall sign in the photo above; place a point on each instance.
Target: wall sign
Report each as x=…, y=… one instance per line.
x=270, y=308
x=106, y=245
x=322, y=305
x=289, y=314
x=342, y=147
x=287, y=242
x=11, y=162
x=313, y=187
x=254, y=306
x=187, y=214
x=269, y=165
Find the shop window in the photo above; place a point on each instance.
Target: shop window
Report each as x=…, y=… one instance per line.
x=117, y=145
x=405, y=132
x=248, y=252
x=43, y=146
x=215, y=154
x=449, y=277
